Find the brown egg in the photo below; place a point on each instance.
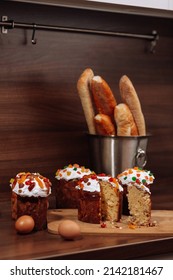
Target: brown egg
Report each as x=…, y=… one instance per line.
x=69, y=230
x=24, y=224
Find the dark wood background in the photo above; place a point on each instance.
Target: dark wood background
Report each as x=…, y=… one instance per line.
x=41, y=119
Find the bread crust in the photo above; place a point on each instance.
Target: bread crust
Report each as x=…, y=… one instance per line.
x=104, y=125
x=103, y=97
x=130, y=97
x=126, y=125
x=84, y=92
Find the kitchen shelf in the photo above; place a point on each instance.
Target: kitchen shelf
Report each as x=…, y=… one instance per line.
x=107, y=7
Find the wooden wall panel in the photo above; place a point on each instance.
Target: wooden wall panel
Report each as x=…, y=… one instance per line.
x=41, y=119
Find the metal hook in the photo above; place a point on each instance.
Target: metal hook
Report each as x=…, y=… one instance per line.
x=33, y=40
x=154, y=41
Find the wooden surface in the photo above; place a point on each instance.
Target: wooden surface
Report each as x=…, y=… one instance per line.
x=43, y=245
x=162, y=218
x=41, y=118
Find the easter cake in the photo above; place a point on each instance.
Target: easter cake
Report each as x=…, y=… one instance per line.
x=136, y=184
x=100, y=198
x=65, y=192
x=29, y=196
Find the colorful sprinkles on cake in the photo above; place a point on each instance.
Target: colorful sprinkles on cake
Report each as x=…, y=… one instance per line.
x=30, y=184
x=136, y=176
x=72, y=171
x=91, y=182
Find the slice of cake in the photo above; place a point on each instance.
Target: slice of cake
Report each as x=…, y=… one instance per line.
x=137, y=183
x=65, y=192
x=30, y=193
x=111, y=198
x=100, y=199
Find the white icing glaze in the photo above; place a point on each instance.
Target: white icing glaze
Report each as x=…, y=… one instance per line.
x=21, y=185
x=136, y=177
x=72, y=172
x=92, y=184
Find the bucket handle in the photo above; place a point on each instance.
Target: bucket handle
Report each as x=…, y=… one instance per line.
x=141, y=154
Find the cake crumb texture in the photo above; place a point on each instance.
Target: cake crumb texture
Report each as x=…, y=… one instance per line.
x=139, y=203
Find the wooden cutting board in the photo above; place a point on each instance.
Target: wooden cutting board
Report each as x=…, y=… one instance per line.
x=162, y=218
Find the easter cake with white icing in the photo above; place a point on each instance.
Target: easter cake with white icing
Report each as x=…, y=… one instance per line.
x=136, y=183
x=29, y=196
x=100, y=199
x=65, y=192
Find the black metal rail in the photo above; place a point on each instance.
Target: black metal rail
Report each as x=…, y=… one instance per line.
x=10, y=24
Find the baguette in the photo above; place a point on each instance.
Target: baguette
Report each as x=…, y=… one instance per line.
x=104, y=125
x=83, y=88
x=130, y=97
x=124, y=121
x=103, y=97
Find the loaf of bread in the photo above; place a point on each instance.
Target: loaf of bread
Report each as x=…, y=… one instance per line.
x=103, y=96
x=83, y=88
x=126, y=125
x=104, y=125
x=130, y=97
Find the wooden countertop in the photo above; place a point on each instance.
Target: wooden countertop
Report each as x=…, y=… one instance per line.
x=43, y=245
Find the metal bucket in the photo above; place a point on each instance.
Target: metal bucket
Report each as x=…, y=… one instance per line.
x=113, y=154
